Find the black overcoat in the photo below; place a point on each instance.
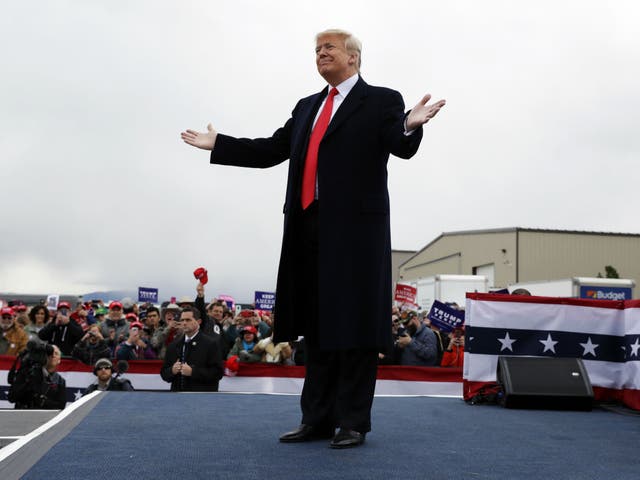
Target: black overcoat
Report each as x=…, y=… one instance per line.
x=355, y=241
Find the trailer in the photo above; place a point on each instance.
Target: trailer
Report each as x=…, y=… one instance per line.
x=581, y=287
x=448, y=288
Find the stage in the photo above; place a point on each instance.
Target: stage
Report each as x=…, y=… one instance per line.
x=229, y=436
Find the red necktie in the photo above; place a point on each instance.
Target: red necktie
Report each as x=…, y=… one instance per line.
x=311, y=160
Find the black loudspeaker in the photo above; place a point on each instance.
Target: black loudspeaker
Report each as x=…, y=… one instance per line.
x=543, y=382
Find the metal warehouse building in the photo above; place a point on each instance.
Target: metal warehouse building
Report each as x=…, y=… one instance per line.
x=511, y=255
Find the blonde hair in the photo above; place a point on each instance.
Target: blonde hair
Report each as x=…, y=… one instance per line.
x=351, y=43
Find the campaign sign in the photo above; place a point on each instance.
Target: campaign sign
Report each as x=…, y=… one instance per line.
x=444, y=317
x=52, y=302
x=147, y=295
x=228, y=299
x=605, y=293
x=265, y=300
x=405, y=293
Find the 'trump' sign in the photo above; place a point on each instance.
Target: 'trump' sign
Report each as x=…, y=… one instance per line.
x=147, y=294
x=444, y=317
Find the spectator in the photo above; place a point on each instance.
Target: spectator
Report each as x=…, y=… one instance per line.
x=152, y=320
x=261, y=326
x=193, y=362
x=106, y=381
x=244, y=345
x=454, y=354
x=80, y=316
x=14, y=339
x=185, y=301
x=37, y=384
x=215, y=310
x=115, y=328
x=171, y=331
x=129, y=306
x=136, y=347
x=39, y=316
x=61, y=330
x=91, y=347
x=418, y=346
x=99, y=314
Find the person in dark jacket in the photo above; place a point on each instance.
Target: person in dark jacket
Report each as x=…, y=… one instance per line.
x=106, y=381
x=418, y=346
x=91, y=347
x=38, y=386
x=336, y=228
x=62, y=331
x=193, y=362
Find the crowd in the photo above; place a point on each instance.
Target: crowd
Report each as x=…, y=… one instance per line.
x=98, y=334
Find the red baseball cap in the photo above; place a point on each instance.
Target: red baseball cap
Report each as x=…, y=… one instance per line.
x=64, y=305
x=249, y=329
x=115, y=304
x=137, y=324
x=7, y=311
x=131, y=317
x=201, y=274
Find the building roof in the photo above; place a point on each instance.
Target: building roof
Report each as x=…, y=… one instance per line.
x=515, y=230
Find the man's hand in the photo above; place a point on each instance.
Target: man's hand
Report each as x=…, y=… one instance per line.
x=200, y=290
x=422, y=113
x=202, y=140
x=176, y=367
x=187, y=371
x=404, y=340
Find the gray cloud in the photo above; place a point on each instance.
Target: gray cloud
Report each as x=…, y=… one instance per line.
x=538, y=131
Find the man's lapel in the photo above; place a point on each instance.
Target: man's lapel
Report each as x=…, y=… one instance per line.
x=348, y=106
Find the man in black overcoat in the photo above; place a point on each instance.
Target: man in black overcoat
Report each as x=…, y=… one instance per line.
x=192, y=362
x=334, y=277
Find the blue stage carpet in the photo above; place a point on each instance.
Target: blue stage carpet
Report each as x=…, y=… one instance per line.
x=146, y=435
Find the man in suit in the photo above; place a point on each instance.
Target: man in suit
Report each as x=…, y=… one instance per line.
x=193, y=362
x=336, y=232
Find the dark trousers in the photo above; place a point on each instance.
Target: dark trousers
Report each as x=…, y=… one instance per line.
x=339, y=384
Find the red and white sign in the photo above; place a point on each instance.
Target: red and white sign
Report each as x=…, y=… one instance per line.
x=405, y=293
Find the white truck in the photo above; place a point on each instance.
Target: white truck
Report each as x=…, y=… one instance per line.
x=448, y=288
x=581, y=287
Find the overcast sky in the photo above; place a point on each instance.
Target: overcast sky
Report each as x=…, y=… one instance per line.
x=98, y=192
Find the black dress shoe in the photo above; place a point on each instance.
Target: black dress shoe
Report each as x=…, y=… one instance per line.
x=346, y=438
x=306, y=433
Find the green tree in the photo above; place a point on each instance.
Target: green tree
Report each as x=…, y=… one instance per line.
x=611, y=272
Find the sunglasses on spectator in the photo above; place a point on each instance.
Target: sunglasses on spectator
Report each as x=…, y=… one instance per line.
x=104, y=368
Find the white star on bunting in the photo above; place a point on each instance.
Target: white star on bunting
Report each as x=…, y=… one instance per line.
x=78, y=395
x=506, y=342
x=635, y=347
x=549, y=344
x=589, y=347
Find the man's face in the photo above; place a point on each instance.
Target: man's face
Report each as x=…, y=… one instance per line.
x=93, y=335
x=54, y=360
x=189, y=324
x=104, y=373
x=217, y=312
x=6, y=322
x=334, y=63
x=152, y=319
x=115, y=313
